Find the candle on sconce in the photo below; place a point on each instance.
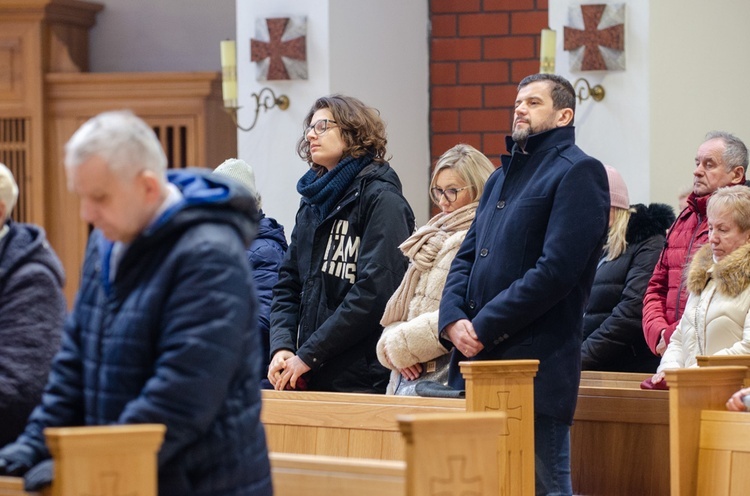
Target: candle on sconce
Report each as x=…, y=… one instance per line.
x=547, y=51
x=229, y=73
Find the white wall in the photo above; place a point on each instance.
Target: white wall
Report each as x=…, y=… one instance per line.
x=681, y=81
x=379, y=61
x=160, y=35
x=699, y=82
x=616, y=130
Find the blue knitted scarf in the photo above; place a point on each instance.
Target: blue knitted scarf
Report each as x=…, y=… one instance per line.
x=323, y=192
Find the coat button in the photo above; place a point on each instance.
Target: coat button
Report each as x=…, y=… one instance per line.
x=472, y=304
x=501, y=204
x=483, y=252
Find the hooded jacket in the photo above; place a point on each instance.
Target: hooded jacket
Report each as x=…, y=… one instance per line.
x=612, y=331
x=717, y=315
x=265, y=256
x=171, y=339
x=336, y=279
x=32, y=311
x=666, y=295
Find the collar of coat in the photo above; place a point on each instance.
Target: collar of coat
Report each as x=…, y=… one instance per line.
x=543, y=141
x=731, y=274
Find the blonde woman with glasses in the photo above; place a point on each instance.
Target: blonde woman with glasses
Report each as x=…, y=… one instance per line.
x=409, y=345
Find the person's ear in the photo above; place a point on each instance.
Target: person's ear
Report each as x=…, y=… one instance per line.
x=738, y=175
x=151, y=186
x=564, y=117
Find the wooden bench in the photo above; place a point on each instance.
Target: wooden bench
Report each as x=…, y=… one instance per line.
x=620, y=437
x=98, y=460
x=701, y=393
x=343, y=424
x=456, y=452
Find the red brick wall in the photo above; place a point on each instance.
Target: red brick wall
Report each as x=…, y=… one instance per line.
x=479, y=51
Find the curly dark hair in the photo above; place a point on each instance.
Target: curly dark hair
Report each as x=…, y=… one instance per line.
x=362, y=129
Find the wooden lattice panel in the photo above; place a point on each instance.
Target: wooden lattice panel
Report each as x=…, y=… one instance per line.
x=15, y=144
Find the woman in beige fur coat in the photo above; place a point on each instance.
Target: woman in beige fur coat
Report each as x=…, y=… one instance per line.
x=717, y=314
x=409, y=345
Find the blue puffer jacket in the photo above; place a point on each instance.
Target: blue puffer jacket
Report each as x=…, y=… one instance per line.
x=171, y=340
x=265, y=256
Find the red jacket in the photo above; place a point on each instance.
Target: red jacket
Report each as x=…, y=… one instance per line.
x=666, y=294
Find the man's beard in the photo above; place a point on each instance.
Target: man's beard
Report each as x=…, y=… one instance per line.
x=521, y=135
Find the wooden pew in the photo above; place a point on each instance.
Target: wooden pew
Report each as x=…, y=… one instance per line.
x=444, y=452
x=456, y=452
x=345, y=424
x=98, y=460
x=691, y=392
x=620, y=437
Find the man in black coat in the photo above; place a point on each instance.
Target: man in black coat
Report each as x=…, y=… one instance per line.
x=32, y=310
x=518, y=285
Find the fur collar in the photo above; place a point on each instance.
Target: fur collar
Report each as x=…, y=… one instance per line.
x=731, y=275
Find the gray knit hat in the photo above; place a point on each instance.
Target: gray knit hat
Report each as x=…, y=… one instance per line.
x=240, y=171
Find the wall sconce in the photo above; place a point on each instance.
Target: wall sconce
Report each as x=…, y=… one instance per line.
x=547, y=51
x=584, y=90
x=265, y=98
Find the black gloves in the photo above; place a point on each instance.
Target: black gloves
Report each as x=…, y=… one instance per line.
x=39, y=476
x=16, y=459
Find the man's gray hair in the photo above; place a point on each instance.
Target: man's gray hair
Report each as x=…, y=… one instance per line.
x=8, y=190
x=125, y=142
x=735, y=151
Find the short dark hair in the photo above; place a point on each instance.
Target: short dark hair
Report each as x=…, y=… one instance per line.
x=563, y=94
x=362, y=128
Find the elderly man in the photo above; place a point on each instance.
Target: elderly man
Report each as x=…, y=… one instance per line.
x=32, y=310
x=721, y=161
x=519, y=283
x=163, y=330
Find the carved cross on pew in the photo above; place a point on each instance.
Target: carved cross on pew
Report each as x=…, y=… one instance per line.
x=275, y=48
x=591, y=38
x=513, y=413
x=110, y=482
x=456, y=484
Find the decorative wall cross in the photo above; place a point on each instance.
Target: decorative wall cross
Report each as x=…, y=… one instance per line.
x=602, y=39
x=280, y=48
x=456, y=484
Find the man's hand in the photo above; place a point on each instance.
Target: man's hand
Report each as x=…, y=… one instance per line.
x=277, y=365
x=461, y=334
x=294, y=367
x=736, y=403
x=657, y=378
x=16, y=459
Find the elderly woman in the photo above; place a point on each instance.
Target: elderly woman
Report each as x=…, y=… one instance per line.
x=716, y=319
x=343, y=261
x=409, y=345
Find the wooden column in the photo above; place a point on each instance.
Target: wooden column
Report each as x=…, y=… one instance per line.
x=504, y=385
x=691, y=391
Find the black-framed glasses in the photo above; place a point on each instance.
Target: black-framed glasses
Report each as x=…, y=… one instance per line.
x=450, y=194
x=320, y=126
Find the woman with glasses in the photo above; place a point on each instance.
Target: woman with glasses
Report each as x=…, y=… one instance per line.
x=343, y=261
x=409, y=345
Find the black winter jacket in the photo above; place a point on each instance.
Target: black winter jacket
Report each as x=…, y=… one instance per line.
x=336, y=279
x=32, y=310
x=612, y=330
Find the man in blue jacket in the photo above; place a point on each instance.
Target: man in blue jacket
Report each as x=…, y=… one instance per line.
x=163, y=329
x=519, y=283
